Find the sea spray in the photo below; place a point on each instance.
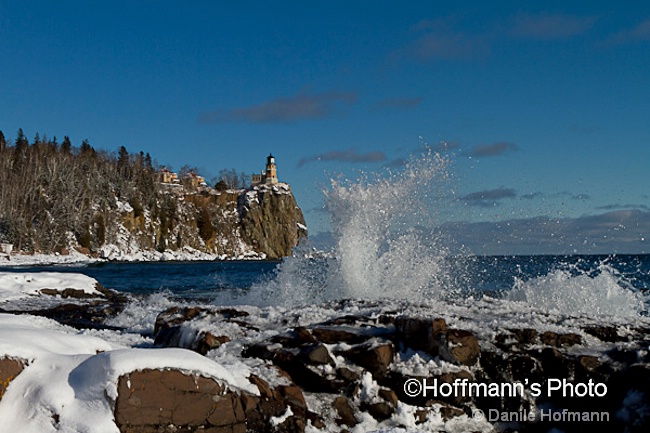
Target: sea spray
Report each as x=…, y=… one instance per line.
x=572, y=289
x=384, y=248
x=388, y=245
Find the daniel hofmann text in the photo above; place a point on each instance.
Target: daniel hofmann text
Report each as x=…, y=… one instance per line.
x=542, y=415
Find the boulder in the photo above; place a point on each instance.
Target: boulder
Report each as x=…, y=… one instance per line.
x=9, y=369
x=421, y=334
x=379, y=411
x=376, y=358
x=345, y=411
x=154, y=401
x=560, y=340
x=316, y=354
x=340, y=334
x=605, y=333
x=206, y=341
x=461, y=347
x=175, y=316
x=148, y=399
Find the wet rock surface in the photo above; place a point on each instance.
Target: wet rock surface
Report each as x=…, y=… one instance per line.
x=341, y=370
x=344, y=356
x=79, y=309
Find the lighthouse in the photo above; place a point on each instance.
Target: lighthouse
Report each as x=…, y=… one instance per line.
x=267, y=177
x=271, y=176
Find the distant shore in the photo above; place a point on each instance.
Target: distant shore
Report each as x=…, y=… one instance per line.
x=77, y=258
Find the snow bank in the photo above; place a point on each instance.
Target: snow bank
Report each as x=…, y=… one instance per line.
x=70, y=382
x=15, y=286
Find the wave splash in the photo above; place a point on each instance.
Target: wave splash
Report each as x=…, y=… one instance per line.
x=385, y=248
x=570, y=289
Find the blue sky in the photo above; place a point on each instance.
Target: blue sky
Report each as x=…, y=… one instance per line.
x=543, y=107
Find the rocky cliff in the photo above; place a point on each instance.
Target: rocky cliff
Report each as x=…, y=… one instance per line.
x=263, y=222
x=271, y=220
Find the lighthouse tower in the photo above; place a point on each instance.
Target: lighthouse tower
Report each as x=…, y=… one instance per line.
x=271, y=171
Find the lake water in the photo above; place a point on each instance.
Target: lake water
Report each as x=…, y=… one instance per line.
x=494, y=275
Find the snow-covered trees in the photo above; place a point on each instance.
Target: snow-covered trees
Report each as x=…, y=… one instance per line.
x=50, y=192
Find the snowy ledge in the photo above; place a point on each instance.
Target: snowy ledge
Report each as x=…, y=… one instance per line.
x=15, y=286
x=75, y=376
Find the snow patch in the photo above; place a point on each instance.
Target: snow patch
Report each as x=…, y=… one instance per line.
x=15, y=286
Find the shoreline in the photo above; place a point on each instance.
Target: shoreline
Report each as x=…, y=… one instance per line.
x=367, y=366
x=34, y=260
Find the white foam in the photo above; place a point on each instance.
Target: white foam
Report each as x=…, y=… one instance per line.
x=571, y=291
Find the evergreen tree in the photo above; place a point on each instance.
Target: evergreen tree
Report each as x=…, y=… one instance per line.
x=3, y=143
x=21, y=140
x=20, y=152
x=148, y=165
x=66, y=146
x=123, y=165
x=86, y=149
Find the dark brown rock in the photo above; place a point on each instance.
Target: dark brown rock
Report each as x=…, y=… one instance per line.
x=421, y=334
x=549, y=338
x=554, y=363
x=231, y=313
x=310, y=378
x=525, y=336
x=175, y=316
x=294, y=397
x=451, y=377
x=270, y=404
x=316, y=420
x=207, y=341
x=421, y=415
x=349, y=319
x=448, y=412
x=560, y=340
x=379, y=411
x=316, y=354
x=9, y=369
x=347, y=374
x=462, y=347
x=376, y=358
x=303, y=336
x=388, y=395
x=604, y=333
x=345, y=412
x=588, y=362
x=339, y=334
x=567, y=340
x=167, y=401
x=261, y=350
x=151, y=398
x=227, y=411
x=91, y=314
x=68, y=293
x=524, y=367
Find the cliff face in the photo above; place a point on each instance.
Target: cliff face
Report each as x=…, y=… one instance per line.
x=264, y=222
x=271, y=220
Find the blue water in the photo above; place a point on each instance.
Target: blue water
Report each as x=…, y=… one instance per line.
x=207, y=280
x=189, y=280
x=497, y=273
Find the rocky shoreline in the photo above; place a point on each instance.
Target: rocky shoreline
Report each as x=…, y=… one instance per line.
x=352, y=366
